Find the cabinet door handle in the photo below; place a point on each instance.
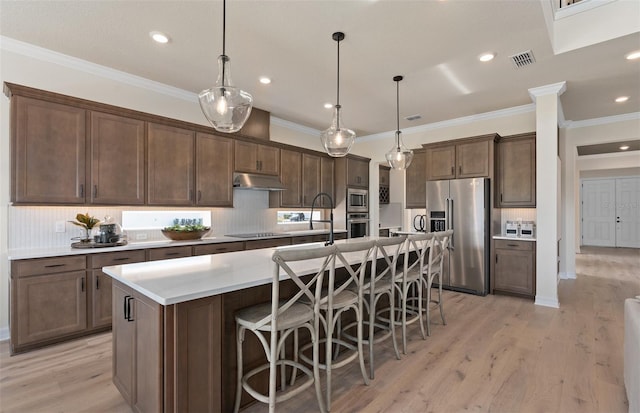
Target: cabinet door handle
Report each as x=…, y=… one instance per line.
x=512, y=245
x=126, y=307
x=97, y=282
x=168, y=254
x=453, y=171
x=496, y=258
x=199, y=195
x=81, y=190
x=95, y=191
x=82, y=284
x=460, y=170
x=121, y=259
x=54, y=265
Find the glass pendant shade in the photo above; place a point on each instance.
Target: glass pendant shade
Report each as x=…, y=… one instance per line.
x=337, y=140
x=399, y=156
x=225, y=106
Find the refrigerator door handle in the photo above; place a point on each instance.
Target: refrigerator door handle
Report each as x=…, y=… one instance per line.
x=450, y=221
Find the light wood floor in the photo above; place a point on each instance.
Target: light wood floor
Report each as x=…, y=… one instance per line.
x=496, y=353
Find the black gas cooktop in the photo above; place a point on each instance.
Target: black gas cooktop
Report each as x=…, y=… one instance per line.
x=258, y=235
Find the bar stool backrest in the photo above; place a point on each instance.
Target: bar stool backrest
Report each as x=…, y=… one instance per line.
x=441, y=243
x=420, y=244
x=309, y=288
x=354, y=256
x=390, y=249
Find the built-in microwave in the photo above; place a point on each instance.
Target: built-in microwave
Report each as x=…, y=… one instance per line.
x=357, y=200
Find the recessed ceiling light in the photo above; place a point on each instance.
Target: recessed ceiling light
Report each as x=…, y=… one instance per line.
x=622, y=99
x=159, y=37
x=633, y=55
x=486, y=57
x=624, y=147
x=328, y=105
x=265, y=80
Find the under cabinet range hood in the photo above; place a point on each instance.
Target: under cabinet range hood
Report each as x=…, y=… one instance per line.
x=258, y=182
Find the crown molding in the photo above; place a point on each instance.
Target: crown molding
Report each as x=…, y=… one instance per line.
x=572, y=124
x=516, y=110
x=46, y=55
x=294, y=126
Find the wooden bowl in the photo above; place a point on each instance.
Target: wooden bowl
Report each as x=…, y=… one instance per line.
x=185, y=235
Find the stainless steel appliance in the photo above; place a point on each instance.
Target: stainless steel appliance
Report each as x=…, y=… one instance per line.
x=357, y=200
x=357, y=225
x=420, y=223
x=462, y=205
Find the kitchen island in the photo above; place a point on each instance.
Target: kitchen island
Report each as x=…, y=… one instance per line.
x=174, y=347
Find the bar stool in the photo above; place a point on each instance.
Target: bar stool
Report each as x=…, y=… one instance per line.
x=378, y=284
x=338, y=298
x=281, y=317
x=436, y=262
x=409, y=286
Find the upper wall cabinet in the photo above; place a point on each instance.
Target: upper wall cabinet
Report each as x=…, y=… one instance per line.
x=516, y=171
x=170, y=165
x=416, y=177
x=48, y=142
x=384, y=188
x=256, y=158
x=117, y=160
x=214, y=170
x=327, y=181
x=357, y=172
x=291, y=177
x=468, y=158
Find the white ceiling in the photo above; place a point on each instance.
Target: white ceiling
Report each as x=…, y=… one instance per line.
x=434, y=44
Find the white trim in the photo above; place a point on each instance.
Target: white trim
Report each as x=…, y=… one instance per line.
x=579, y=7
x=552, y=89
x=294, y=126
x=567, y=276
x=516, y=110
x=547, y=302
x=40, y=53
x=570, y=124
x=4, y=334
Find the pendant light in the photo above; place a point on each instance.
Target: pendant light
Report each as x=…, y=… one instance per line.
x=225, y=106
x=399, y=157
x=337, y=140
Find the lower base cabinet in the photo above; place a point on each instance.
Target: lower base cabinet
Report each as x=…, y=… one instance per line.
x=515, y=268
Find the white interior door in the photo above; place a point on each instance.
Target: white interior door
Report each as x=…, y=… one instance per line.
x=599, y=212
x=628, y=212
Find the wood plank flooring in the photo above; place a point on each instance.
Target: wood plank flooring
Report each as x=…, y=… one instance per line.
x=496, y=354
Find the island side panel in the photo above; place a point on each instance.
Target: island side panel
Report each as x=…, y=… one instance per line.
x=198, y=355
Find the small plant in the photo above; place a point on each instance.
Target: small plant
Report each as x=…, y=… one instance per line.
x=187, y=225
x=87, y=222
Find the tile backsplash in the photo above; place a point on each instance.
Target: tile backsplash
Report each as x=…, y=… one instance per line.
x=34, y=226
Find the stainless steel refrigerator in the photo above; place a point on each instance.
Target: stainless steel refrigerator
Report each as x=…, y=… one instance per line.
x=462, y=205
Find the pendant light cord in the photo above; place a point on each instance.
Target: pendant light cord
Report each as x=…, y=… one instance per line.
x=338, y=88
x=224, y=39
x=398, y=114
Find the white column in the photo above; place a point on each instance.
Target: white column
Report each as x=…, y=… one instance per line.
x=547, y=202
x=569, y=179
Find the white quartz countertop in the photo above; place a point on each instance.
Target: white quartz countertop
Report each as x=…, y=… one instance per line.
x=500, y=236
x=183, y=279
x=28, y=253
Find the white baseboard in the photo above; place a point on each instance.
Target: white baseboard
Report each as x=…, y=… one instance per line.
x=569, y=275
x=4, y=334
x=547, y=302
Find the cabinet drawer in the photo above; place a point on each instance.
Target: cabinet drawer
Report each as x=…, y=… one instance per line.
x=306, y=239
x=267, y=243
x=218, y=248
x=51, y=265
x=116, y=258
x=514, y=245
x=167, y=253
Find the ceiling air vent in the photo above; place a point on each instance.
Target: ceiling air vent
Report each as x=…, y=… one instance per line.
x=523, y=59
x=413, y=117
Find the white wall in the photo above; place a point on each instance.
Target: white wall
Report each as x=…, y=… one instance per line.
x=573, y=166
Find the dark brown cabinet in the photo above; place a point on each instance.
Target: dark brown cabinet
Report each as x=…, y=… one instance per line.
x=48, y=142
x=214, y=171
x=357, y=172
x=99, y=303
x=156, y=254
x=469, y=158
x=117, y=160
x=137, y=349
x=327, y=181
x=416, y=178
x=291, y=177
x=48, y=300
x=515, y=267
x=311, y=170
x=516, y=171
x=218, y=248
x=170, y=165
x=267, y=243
x=256, y=158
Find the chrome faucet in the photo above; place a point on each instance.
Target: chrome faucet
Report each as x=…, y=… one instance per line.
x=330, y=220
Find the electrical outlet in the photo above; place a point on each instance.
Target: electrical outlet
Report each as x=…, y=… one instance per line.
x=60, y=226
x=141, y=236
